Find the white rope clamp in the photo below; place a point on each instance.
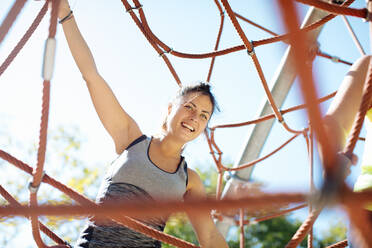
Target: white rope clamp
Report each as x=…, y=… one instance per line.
x=231, y=175
x=165, y=52
x=34, y=189
x=335, y=59
x=252, y=52
x=49, y=57
x=281, y=115
x=368, y=17
x=134, y=8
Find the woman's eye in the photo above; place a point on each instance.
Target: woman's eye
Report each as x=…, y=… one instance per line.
x=204, y=117
x=188, y=107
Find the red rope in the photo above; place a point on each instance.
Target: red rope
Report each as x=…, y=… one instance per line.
x=241, y=227
x=43, y=228
x=250, y=50
x=217, y=40
x=38, y=171
x=145, y=32
x=303, y=230
x=149, y=35
x=334, y=59
x=336, y=9
x=280, y=213
x=116, y=210
x=24, y=39
x=364, y=106
x=271, y=116
x=308, y=90
x=10, y=18
x=310, y=152
x=340, y=244
x=262, y=158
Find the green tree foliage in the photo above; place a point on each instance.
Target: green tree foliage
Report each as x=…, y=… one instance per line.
x=178, y=225
x=336, y=233
x=278, y=231
x=63, y=163
x=272, y=233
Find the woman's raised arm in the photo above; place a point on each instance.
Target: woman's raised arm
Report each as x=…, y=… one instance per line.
x=122, y=128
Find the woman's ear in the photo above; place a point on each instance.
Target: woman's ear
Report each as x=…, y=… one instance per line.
x=170, y=105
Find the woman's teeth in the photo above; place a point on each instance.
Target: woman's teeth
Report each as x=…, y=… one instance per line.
x=188, y=127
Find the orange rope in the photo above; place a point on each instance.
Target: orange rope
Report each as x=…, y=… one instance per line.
x=43, y=228
x=336, y=9
x=310, y=152
x=353, y=36
x=340, y=244
x=10, y=18
x=248, y=45
x=241, y=226
x=217, y=40
x=38, y=171
x=116, y=210
x=281, y=213
x=364, y=106
x=149, y=39
x=262, y=158
x=308, y=90
x=149, y=35
x=271, y=116
x=255, y=24
x=24, y=39
x=303, y=230
x=333, y=58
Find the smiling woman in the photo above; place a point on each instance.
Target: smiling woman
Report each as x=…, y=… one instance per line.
x=196, y=103
x=148, y=168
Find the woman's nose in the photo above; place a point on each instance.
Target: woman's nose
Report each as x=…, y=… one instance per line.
x=193, y=115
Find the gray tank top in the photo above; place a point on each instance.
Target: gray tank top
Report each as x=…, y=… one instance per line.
x=135, y=167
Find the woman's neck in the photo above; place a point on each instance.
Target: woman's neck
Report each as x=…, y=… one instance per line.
x=168, y=146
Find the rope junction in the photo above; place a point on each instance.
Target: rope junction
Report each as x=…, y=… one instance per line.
x=124, y=214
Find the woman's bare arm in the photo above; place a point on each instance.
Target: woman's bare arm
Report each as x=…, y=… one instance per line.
x=122, y=128
x=205, y=229
x=344, y=107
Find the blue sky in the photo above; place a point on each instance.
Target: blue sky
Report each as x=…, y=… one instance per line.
x=144, y=85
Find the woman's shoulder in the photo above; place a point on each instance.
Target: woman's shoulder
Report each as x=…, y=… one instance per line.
x=194, y=180
x=138, y=140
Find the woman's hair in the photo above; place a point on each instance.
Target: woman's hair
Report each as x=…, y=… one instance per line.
x=202, y=88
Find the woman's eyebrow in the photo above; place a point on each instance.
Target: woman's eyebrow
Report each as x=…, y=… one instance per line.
x=204, y=111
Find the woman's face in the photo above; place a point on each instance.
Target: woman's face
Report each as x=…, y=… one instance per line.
x=189, y=116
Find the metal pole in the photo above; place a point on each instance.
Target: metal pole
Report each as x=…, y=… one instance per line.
x=257, y=135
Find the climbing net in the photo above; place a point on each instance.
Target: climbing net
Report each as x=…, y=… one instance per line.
x=333, y=185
